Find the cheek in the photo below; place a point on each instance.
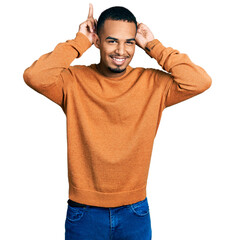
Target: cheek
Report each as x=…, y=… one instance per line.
x=132, y=51
x=107, y=51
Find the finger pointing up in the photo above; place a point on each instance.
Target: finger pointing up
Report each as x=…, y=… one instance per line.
x=90, y=14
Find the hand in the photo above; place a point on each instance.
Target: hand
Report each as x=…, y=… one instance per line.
x=88, y=28
x=143, y=36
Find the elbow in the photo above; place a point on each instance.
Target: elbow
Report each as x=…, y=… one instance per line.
x=205, y=83
x=30, y=78
x=209, y=82
x=26, y=76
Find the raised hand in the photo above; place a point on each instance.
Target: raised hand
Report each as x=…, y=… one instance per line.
x=88, y=28
x=143, y=36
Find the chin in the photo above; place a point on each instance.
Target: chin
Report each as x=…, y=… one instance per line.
x=116, y=70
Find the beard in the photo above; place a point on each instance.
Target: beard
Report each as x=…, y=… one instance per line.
x=116, y=70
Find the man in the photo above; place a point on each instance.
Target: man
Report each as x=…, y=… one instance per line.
x=113, y=112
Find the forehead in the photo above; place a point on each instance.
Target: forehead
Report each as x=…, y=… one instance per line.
x=119, y=29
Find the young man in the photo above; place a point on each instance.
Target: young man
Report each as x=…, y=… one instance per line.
x=113, y=112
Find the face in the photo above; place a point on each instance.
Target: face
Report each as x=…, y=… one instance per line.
x=117, y=47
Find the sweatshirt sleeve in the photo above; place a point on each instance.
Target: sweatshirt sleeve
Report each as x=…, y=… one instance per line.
x=45, y=74
x=184, y=78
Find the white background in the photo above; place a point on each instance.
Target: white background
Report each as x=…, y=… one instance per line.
x=191, y=184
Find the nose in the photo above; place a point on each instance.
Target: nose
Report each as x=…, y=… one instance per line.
x=120, y=49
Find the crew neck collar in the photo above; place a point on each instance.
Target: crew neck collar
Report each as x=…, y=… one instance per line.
x=94, y=67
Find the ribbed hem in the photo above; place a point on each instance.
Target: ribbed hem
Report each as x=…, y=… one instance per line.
x=101, y=199
x=154, y=49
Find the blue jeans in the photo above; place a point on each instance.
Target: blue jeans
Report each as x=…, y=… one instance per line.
x=129, y=222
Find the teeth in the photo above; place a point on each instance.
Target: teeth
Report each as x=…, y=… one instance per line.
x=119, y=59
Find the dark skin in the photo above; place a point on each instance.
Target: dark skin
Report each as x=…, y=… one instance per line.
x=116, y=41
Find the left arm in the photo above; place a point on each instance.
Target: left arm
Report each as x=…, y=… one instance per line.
x=186, y=78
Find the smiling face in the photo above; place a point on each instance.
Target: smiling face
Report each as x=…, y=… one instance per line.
x=117, y=46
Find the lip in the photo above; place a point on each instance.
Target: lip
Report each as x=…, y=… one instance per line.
x=118, y=62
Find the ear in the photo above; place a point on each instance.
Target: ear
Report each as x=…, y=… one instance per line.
x=97, y=41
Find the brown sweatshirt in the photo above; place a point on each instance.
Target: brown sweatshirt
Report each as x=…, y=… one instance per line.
x=112, y=122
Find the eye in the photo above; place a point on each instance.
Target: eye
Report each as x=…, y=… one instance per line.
x=130, y=43
x=112, y=41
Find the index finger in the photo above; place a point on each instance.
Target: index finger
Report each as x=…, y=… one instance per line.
x=90, y=14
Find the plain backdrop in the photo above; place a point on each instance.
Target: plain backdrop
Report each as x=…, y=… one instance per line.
x=191, y=183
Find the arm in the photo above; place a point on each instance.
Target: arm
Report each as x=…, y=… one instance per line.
x=185, y=79
x=45, y=74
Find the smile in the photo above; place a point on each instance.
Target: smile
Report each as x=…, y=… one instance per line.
x=118, y=61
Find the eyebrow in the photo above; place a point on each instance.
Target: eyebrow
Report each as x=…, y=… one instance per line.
x=129, y=39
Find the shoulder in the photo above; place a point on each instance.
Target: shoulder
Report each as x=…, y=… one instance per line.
x=76, y=70
x=158, y=73
x=72, y=74
x=148, y=71
x=79, y=68
x=160, y=77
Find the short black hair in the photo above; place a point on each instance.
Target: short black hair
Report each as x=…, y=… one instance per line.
x=115, y=13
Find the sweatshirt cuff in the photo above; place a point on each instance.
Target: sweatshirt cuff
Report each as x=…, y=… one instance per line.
x=82, y=43
x=154, y=49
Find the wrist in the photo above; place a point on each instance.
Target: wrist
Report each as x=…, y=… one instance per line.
x=154, y=49
x=151, y=44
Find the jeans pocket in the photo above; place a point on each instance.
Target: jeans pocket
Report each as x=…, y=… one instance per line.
x=140, y=208
x=75, y=214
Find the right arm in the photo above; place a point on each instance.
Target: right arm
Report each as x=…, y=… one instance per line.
x=44, y=75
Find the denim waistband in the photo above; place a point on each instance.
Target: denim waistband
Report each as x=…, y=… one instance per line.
x=75, y=204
